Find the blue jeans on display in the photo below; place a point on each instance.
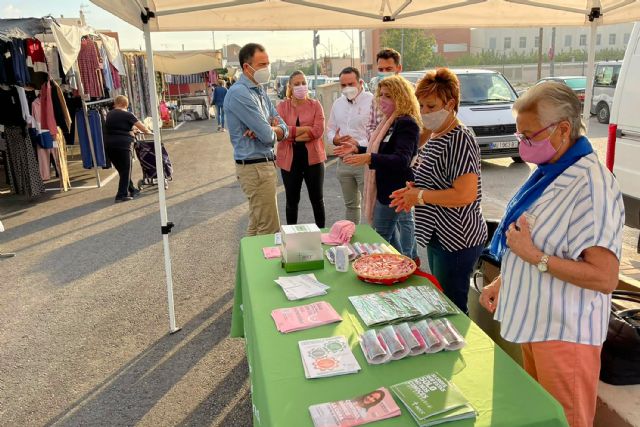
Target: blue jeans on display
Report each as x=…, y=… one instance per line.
x=396, y=228
x=220, y=114
x=453, y=270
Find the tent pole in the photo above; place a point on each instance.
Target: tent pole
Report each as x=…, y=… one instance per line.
x=85, y=113
x=591, y=59
x=165, y=225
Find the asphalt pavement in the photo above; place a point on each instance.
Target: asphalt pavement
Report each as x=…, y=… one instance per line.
x=83, y=304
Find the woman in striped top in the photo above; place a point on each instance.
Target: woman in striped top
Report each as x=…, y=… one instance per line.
x=559, y=244
x=447, y=188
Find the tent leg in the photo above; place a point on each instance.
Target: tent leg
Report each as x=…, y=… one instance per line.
x=165, y=225
x=591, y=59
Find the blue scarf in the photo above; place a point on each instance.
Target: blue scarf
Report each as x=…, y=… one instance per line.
x=539, y=180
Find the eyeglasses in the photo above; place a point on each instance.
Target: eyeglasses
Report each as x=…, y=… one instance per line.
x=522, y=138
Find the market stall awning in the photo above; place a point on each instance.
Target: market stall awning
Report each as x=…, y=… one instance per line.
x=187, y=62
x=195, y=15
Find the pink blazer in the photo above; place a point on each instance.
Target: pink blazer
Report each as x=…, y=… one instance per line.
x=311, y=114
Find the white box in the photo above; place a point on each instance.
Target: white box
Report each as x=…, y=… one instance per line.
x=301, y=243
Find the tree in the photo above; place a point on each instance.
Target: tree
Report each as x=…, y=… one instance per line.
x=417, y=48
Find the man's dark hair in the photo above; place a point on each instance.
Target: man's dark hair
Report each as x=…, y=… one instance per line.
x=349, y=70
x=247, y=51
x=388, y=53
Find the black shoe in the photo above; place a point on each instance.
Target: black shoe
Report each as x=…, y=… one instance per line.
x=134, y=193
x=123, y=199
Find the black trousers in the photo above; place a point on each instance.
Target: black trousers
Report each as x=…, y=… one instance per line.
x=121, y=158
x=313, y=177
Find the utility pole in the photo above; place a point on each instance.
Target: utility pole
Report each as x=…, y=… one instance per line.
x=540, y=53
x=352, y=57
x=401, y=46
x=316, y=40
x=213, y=37
x=552, y=65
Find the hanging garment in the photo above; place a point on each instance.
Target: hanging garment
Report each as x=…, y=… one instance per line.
x=53, y=63
x=24, y=105
x=36, y=62
x=61, y=154
x=12, y=113
x=48, y=118
x=117, y=83
x=60, y=111
x=39, y=135
x=24, y=176
x=7, y=75
x=74, y=104
x=95, y=126
x=19, y=62
x=106, y=70
x=89, y=66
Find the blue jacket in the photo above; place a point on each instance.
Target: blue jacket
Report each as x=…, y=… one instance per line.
x=219, y=93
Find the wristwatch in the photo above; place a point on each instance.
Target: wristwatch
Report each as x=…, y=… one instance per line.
x=543, y=265
x=420, y=199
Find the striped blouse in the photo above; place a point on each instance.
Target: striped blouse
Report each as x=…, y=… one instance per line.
x=582, y=208
x=440, y=162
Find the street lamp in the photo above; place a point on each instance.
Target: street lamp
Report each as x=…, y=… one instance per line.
x=351, y=39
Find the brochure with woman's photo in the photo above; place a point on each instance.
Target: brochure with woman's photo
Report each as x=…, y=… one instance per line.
x=374, y=406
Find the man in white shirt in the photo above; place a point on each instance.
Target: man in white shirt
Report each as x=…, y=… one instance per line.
x=389, y=63
x=348, y=125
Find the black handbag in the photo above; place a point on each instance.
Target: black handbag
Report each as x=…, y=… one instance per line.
x=620, y=356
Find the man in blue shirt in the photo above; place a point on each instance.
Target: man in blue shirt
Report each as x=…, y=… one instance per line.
x=254, y=127
x=217, y=99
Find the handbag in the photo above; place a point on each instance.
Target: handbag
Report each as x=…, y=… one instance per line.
x=620, y=357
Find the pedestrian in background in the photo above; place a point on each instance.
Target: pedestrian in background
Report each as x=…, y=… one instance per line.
x=219, y=93
x=301, y=155
x=118, y=145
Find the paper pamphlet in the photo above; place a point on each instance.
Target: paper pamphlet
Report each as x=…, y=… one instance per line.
x=304, y=316
x=374, y=406
x=327, y=357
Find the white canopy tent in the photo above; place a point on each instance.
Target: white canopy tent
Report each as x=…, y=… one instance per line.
x=187, y=62
x=234, y=15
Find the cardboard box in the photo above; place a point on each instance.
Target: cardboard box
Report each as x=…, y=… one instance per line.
x=302, y=247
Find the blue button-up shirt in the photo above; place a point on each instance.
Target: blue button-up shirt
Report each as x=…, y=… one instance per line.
x=248, y=107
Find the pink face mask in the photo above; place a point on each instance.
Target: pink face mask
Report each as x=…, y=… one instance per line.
x=536, y=152
x=300, y=91
x=387, y=106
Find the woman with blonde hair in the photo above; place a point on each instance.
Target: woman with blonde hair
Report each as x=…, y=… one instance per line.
x=301, y=155
x=392, y=148
x=448, y=188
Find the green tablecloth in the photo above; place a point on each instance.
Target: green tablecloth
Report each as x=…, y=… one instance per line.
x=502, y=393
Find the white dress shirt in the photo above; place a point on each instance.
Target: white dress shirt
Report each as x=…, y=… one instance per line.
x=351, y=118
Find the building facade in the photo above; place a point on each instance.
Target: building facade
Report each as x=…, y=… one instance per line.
x=525, y=40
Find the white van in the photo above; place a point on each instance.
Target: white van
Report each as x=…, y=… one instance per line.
x=486, y=98
x=624, y=114
x=604, y=86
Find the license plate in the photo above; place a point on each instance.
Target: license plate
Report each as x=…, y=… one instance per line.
x=503, y=144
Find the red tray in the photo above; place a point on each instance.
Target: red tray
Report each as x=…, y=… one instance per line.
x=389, y=260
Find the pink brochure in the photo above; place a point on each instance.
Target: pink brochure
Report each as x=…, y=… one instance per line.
x=374, y=406
x=271, y=252
x=304, y=316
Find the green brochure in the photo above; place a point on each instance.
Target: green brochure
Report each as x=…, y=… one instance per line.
x=433, y=400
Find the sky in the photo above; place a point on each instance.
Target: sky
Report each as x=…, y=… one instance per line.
x=278, y=43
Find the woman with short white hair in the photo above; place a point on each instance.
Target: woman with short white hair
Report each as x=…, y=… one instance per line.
x=559, y=244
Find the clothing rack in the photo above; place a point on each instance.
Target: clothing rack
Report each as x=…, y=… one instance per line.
x=101, y=101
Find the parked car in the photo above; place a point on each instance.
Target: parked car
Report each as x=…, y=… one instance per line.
x=624, y=114
x=281, y=86
x=577, y=83
x=604, y=86
x=486, y=98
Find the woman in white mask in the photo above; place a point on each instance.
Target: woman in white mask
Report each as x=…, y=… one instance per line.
x=447, y=189
x=301, y=156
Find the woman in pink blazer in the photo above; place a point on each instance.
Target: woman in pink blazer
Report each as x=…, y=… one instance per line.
x=301, y=156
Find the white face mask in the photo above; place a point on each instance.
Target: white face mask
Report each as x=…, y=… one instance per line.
x=262, y=75
x=383, y=74
x=433, y=121
x=350, y=92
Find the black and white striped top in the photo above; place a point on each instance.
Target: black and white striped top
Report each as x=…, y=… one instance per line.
x=440, y=162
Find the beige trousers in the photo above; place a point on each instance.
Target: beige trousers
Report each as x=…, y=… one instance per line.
x=258, y=182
